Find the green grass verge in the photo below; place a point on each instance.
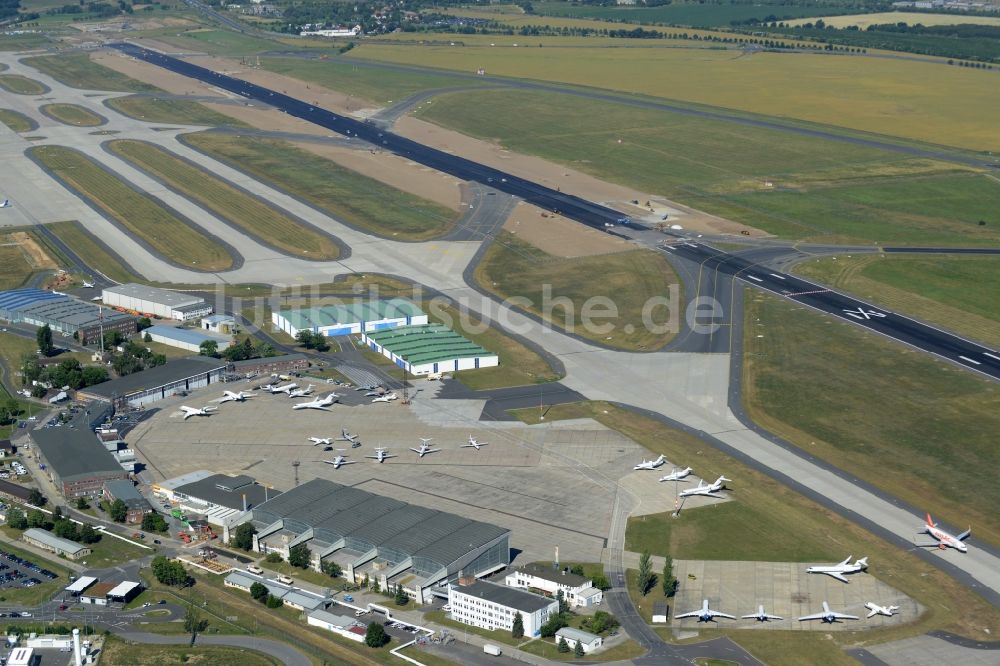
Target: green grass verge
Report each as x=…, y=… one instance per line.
x=16, y=121
x=495, y=635
x=122, y=653
x=21, y=85
x=828, y=387
x=91, y=251
x=623, y=651
x=77, y=70
x=720, y=167
x=15, y=268
x=30, y=596
x=140, y=214
x=628, y=280
x=72, y=114
x=307, y=575
x=347, y=195
x=954, y=292
x=259, y=219
x=164, y=110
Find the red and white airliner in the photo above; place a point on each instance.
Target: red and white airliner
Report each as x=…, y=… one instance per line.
x=946, y=540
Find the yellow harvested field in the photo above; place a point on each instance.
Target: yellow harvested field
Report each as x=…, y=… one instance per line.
x=891, y=96
x=911, y=18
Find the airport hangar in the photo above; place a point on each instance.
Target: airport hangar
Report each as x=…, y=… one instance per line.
x=379, y=537
x=155, y=301
x=349, y=318
x=429, y=349
x=64, y=315
x=141, y=388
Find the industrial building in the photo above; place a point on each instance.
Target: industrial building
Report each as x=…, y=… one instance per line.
x=154, y=301
x=142, y=388
x=283, y=365
x=218, y=497
x=137, y=506
x=491, y=606
x=349, y=318
x=380, y=538
x=75, y=460
x=578, y=591
x=588, y=641
x=294, y=598
x=342, y=625
x=429, y=349
x=64, y=315
x=185, y=338
x=50, y=542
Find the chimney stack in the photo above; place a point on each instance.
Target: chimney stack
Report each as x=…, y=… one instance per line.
x=77, y=656
x=556, y=563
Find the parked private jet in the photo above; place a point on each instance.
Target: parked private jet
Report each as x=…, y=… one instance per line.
x=229, y=396
x=946, y=540
x=381, y=455
x=838, y=570
x=677, y=475
x=651, y=464
x=762, y=616
x=348, y=437
x=325, y=441
x=301, y=393
x=192, y=411
x=388, y=397
x=828, y=615
x=287, y=388
x=339, y=460
x=319, y=403
x=706, y=490
x=5, y=204
x=704, y=614
x=473, y=443
x=874, y=609
x=424, y=447
x=88, y=285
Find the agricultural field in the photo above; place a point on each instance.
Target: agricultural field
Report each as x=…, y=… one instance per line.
x=346, y=195
x=177, y=111
x=512, y=267
x=721, y=167
x=699, y=15
x=878, y=95
x=16, y=121
x=862, y=21
x=889, y=415
x=121, y=653
x=955, y=292
x=21, y=85
x=72, y=114
x=253, y=215
x=77, y=70
x=166, y=233
x=93, y=252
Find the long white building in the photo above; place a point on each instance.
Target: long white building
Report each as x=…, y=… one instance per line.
x=492, y=606
x=578, y=591
x=349, y=318
x=155, y=301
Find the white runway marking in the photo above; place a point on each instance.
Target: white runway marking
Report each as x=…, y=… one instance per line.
x=754, y=277
x=965, y=358
x=993, y=356
x=780, y=277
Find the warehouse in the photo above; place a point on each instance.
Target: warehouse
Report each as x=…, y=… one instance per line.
x=64, y=315
x=142, y=388
x=429, y=349
x=283, y=364
x=217, y=497
x=348, y=318
x=492, y=606
x=75, y=460
x=50, y=542
x=186, y=338
x=156, y=302
x=380, y=538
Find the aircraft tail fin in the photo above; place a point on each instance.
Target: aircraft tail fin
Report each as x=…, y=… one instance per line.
x=862, y=562
x=930, y=521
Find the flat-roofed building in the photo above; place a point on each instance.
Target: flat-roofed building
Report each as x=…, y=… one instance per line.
x=578, y=591
x=491, y=606
x=148, y=300
x=349, y=318
x=97, y=595
x=430, y=349
x=75, y=460
x=63, y=314
x=80, y=585
x=342, y=625
x=47, y=541
x=186, y=338
x=588, y=641
x=218, y=497
x=142, y=388
x=124, y=591
x=136, y=505
x=281, y=364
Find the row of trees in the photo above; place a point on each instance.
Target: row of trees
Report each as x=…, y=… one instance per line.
x=259, y=592
x=68, y=373
x=311, y=340
x=57, y=523
x=238, y=352
x=647, y=579
x=170, y=572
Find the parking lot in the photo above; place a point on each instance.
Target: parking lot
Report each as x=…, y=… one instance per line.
x=18, y=572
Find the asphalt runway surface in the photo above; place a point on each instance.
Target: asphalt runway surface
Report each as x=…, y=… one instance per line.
x=573, y=207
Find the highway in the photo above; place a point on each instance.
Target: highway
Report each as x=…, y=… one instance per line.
x=571, y=206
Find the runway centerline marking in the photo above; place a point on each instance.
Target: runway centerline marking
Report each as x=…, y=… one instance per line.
x=966, y=358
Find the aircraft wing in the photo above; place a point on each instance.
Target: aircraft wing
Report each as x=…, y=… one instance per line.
x=872, y=613
x=837, y=575
x=843, y=616
x=964, y=535
x=694, y=613
x=719, y=614
x=814, y=616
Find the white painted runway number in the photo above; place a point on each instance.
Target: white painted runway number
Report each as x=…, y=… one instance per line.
x=862, y=313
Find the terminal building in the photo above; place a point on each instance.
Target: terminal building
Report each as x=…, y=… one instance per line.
x=494, y=607
x=349, y=318
x=429, y=349
x=142, y=388
x=75, y=459
x=64, y=315
x=380, y=538
x=141, y=299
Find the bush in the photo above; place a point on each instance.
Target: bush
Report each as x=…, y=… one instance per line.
x=274, y=602
x=243, y=537
x=555, y=623
x=375, y=636
x=170, y=572
x=299, y=556
x=258, y=591
x=273, y=557
x=331, y=569
x=154, y=522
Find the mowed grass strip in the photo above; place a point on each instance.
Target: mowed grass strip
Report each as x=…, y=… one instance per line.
x=347, y=195
x=16, y=121
x=119, y=652
x=21, y=85
x=561, y=290
x=164, y=110
x=952, y=291
x=140, y=214
x=72, y=114
x=917, y=427
x=259, y=219
x=92, y=252
x=77, y=70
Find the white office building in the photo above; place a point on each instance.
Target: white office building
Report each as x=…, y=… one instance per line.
x=578, y=591
x=491, y=606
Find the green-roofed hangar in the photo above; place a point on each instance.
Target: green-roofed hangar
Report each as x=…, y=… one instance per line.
x=355, y=317
x=429, y=349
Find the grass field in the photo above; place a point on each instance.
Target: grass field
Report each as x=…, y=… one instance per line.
x=548, y=649
x=866, y=94
x=514, y=268
x=862, y=21
x=919, y=428
x=16, y=121
x=122, y=653
x=85, y=244
x=77, y=70
x=949, y=604
x=253, y=215
x=686, y=13
x=20, y=42
x=140, y=214
x=346, y=195
x=15, y=268
x=72, y=114
x=823, y=190
x=177, y=111
x=21, y=85
x=30, y=596
x=954, y=292
x=307, y=575
x=519, y=365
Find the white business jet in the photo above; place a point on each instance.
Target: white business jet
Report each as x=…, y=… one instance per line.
x=838, y=570
x=381, y=455
x=388, y=397
x=762, y=616
x=677, y=475
x=5, y=204
x=229, y=396
x=874, y=609
x=651, y=464
x=339, y=460
x=946, y=540
x=301, y=393
x=424, y=447
x=287, y=388
x=828, y=616
x=318, y=403
x=706, y=490
x=192, y=411
x=348, y=437
x=473, y=443
x=325, y=441
x=88, y=285
x=704, y=614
